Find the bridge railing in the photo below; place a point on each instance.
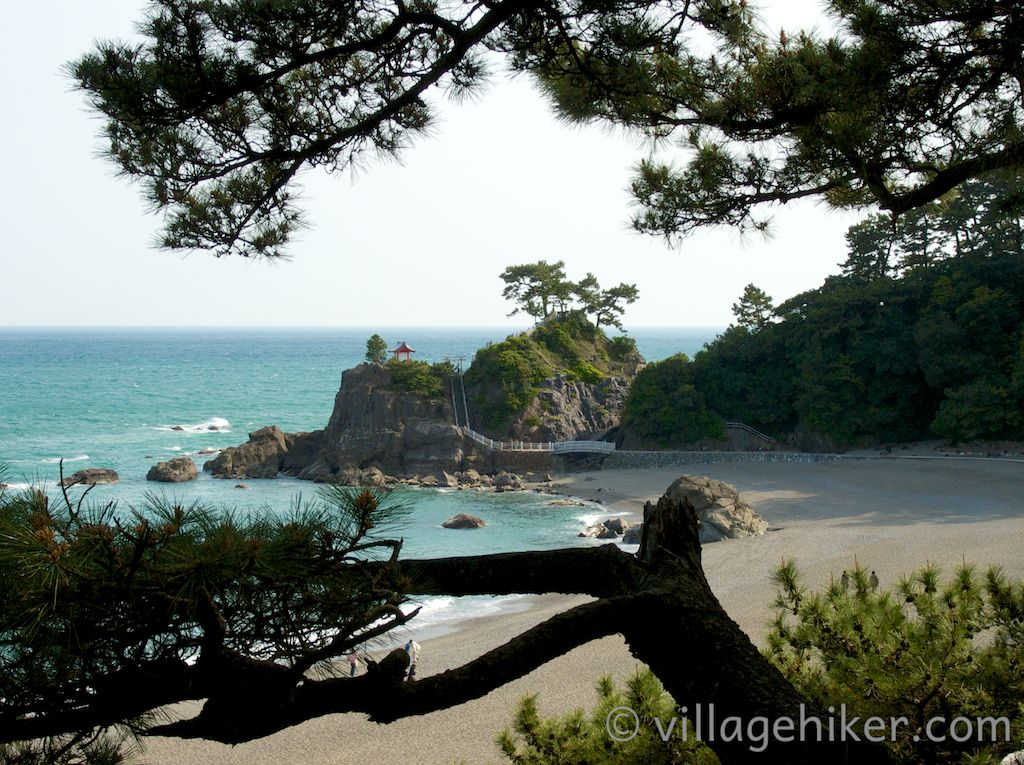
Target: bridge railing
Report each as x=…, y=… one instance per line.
x=590, y=447
x=557, y=447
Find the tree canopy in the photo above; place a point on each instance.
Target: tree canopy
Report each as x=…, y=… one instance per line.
x=376, y=349
x=222, y=106
x=537, y=288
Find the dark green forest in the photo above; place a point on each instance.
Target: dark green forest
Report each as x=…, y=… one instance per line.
x=918, y=337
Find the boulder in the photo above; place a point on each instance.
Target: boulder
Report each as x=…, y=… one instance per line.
x=617, y=525
x=173, y=471
x=261, y=457
x=633, y=535
x=446, y=479
x=464, y=521
x=428, y=480
x=504, y=481
x=598, y=531
x=721, y=512
x=372, y=476
x=92, y=477
x=318, y=469
x=566, y=503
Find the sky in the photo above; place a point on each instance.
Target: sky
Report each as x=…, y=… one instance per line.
x=419, y=242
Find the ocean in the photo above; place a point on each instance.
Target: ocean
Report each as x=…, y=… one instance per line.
x=126, y=398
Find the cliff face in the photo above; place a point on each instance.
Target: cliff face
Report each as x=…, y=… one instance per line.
x=374, y=423
x=567, y=410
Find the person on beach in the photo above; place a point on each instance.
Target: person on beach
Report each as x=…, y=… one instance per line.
x=353, y=663
x=413, y=649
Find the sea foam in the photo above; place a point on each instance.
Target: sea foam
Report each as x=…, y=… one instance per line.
x=55, y=460
x=214, y=425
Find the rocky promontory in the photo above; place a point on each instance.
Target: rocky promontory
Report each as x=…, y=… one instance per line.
x=562, y=380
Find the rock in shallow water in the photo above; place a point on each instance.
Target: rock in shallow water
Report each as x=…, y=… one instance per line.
x=464, y=521
x=173, y=471
x=91, y=477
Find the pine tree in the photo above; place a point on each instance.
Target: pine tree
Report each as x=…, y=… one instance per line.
x=376, y=349
x=222, y=105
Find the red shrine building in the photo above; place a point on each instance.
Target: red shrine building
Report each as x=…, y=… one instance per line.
x=403, y=352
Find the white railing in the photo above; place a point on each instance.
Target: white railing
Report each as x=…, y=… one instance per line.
x=557, y=447
x=591, y=447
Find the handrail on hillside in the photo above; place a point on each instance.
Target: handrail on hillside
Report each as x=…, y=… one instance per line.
x=748, y=429
x=555, y=447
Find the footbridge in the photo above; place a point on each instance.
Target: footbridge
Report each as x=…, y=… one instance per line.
x=554, y=447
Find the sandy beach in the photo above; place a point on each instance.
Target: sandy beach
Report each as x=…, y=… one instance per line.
x=891, y=515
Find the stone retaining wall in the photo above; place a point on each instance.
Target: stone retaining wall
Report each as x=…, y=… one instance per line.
x=635, y=459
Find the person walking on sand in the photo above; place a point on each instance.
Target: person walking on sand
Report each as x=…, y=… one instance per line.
x=413, y=649
x=353, y=663
x=873, y=581
x=844, y=581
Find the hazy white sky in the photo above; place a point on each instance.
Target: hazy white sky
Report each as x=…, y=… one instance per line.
x=423, y=242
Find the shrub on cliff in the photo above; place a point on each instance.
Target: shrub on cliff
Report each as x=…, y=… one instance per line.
x=504, y=378
x=427, y=380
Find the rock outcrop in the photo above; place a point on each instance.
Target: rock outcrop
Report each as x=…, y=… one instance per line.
x=612, y=528
x=91, y=477
x=398, y=431
x=568, y=410
x=177, y=470
x=267, y=453
x=722, y=515
x=464, y=521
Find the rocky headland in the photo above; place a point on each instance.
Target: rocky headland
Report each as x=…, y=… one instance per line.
x=396, y=422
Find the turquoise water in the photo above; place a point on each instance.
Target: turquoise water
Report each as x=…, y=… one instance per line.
x=111, y=398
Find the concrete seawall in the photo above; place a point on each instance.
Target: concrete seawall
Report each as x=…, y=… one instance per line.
x=637, y=459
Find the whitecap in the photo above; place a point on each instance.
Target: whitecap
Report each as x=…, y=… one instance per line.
x=592, y=519
x=212, y=425
x=55, y=460
x=17, y=486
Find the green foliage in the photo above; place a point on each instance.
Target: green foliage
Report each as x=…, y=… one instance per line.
x=220, y=107
x=94, y=598
x=535, y=287
x=981, y=217
x=419, y=377
x=586, y=372
x=376, y=349
x=976, y=411
x=621, y=346
x=503, y=379
x=579, y=738
x=926, y=649
x=873, y=360
x=665, y=407
x=754, y=310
